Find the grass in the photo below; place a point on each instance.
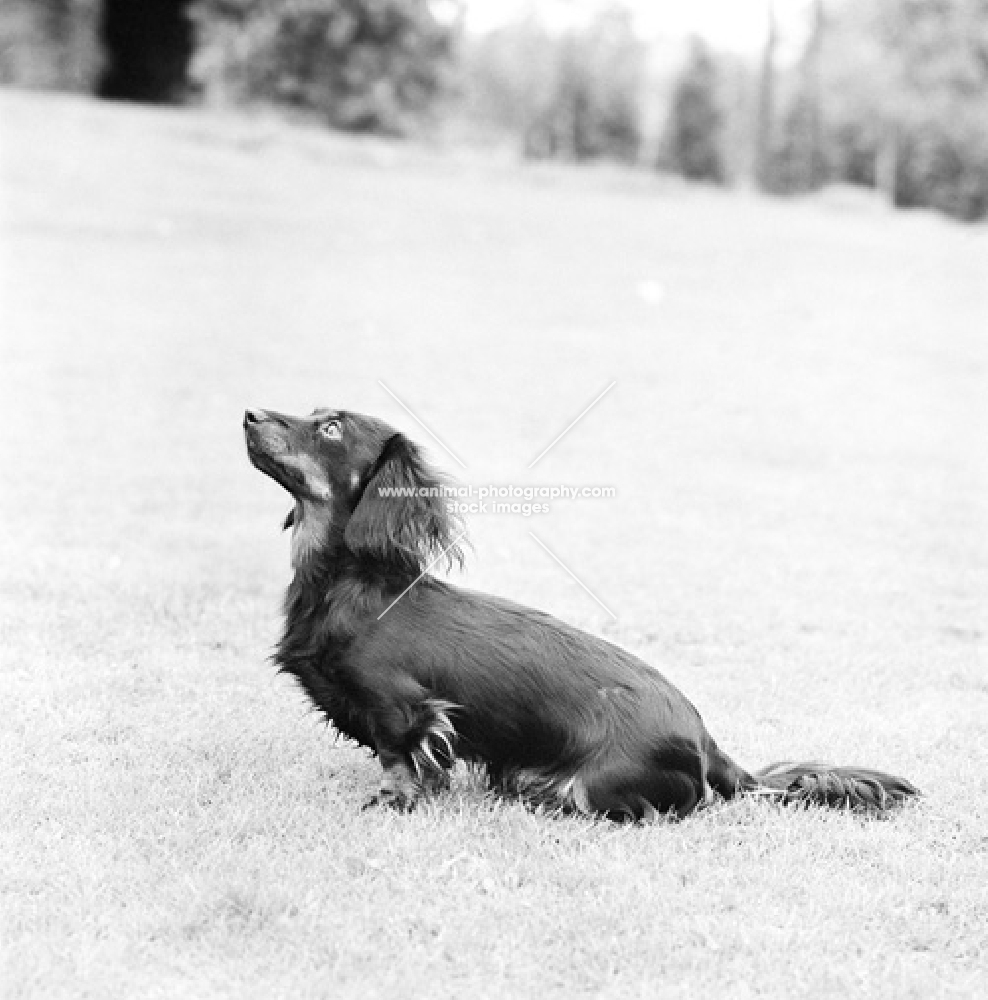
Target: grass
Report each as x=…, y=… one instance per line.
x=799, y=540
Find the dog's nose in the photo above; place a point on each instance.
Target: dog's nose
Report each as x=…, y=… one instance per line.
x=254, y=417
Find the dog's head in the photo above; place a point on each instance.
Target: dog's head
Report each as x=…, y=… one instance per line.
x=358, y=484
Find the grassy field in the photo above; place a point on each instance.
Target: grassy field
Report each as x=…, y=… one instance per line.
x=799, y=539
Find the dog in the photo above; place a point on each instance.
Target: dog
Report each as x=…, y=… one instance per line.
x=424, y=673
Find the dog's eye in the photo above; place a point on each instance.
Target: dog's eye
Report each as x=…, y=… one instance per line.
x=331, y=431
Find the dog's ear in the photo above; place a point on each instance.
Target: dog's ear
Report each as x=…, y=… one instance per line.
x=402, y=514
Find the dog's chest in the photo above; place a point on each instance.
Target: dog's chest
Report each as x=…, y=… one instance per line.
x=308, y=532
x=322, y=676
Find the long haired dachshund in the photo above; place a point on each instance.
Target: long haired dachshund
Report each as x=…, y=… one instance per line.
x=424, y=673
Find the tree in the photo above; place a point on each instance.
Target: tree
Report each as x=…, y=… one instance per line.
x=765, y=122
x=938, y=117
x=907, y=96
x=798, y=158
x=49, y=44
x=147, y=50
x=574, y=94
x=692, y=145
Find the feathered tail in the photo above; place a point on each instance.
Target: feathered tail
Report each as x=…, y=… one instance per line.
x=856, y=788
x=813, y=783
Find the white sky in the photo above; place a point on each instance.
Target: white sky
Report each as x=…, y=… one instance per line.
x=730, y=24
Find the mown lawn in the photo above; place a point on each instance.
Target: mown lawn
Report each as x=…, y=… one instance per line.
x=800, y=540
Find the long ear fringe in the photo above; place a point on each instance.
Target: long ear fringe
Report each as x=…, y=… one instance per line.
x=403, y=516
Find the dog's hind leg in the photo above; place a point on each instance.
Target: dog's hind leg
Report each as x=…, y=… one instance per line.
x=665, y=779
x=727, y=778
x=645, y=796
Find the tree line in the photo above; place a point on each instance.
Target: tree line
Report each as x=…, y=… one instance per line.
x=890, y=94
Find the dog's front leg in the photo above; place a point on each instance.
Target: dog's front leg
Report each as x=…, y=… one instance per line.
x=415, y=742
x=400, y=788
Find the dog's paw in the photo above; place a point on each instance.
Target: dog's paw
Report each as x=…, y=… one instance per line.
x=391, y=798
x=435, y=783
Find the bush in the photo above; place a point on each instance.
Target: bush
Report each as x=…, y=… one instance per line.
x=943, y=164
x=364, y=65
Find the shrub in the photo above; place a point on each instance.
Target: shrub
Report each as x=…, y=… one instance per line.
x=364, y=65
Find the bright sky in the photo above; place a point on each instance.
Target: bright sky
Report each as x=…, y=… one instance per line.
x=731, y=24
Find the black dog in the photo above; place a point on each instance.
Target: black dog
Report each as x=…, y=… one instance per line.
x=424, y=673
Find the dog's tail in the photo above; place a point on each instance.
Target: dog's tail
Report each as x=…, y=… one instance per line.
x=812, y=783
x=839, y=787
